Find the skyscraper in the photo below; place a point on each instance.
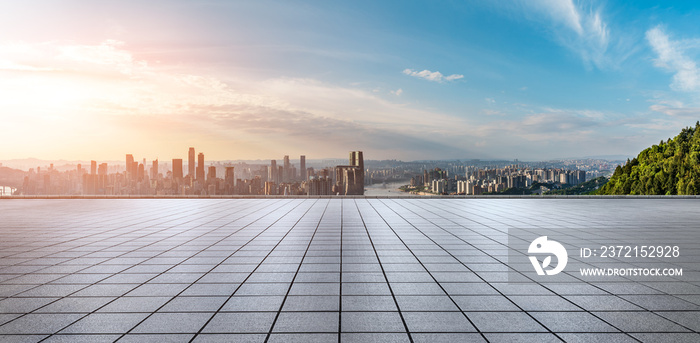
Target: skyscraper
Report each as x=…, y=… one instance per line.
x=272, y=172
x=154, y=169
x=212, y=174
x=141, y=173
x=200, y=167
x=287, y=170
x=177, y=169
x=129, y=164
x=102, y=169
x=190, y=163
x=302, y=167
x=350, y=179
x=93, y=167
x=134, y=170
x=228, y=180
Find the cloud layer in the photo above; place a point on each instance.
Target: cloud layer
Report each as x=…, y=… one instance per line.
x=671, y=57
x=581, y=28
x=434, y=76
x=105, y=86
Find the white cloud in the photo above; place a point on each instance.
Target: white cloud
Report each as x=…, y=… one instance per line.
x=671, y=56
x=575, y=26
x=435, y=76
x=687, y=112
x=56, y=87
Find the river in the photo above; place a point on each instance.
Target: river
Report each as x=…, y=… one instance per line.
x=388, y=189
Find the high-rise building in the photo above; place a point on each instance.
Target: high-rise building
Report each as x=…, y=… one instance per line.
x=200, y=167
x=141, y=172
x=272, y=172
x=102, y=169
x=190, y=163
x=129, y=164
x=357, y=160
x=319, y=186
x=134, y=170
x=350, y=179
x=228, y=180
x=93, y=167
x=212, y=174
x=154, y=169
x=270, y=188
x=302, y=167
x=287, y=169
x=177, y=169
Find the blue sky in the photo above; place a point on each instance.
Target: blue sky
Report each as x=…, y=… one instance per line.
x=398, y=79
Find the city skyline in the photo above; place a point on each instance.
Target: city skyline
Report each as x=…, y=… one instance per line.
x=533, y=80
x=163, y=179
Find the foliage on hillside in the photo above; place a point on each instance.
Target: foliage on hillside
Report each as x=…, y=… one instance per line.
x=671, y=167
x=588, y=187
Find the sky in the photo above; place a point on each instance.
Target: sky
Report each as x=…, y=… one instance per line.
x=408, y=80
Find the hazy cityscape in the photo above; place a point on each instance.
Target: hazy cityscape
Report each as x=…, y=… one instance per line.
x=194, y=176
x=349, y=171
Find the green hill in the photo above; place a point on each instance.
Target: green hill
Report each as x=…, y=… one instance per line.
x=672, y=167
x=588, y=187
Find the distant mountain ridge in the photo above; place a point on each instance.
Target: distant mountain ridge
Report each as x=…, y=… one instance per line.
x=670, y=168
x=11, y=177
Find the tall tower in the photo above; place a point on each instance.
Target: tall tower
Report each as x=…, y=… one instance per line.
x=212, y=174
x=154, y=170
x=287, y=169
x=272, y=173
x=129, y=164
x=228, y=180
x=358, y=162
x=200, y=167
x=302, y=167
x=177, y=169
x=190, y=163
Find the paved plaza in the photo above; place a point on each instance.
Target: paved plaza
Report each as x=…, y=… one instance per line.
x=329, y=270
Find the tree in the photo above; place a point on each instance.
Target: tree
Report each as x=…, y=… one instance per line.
x=672, y=167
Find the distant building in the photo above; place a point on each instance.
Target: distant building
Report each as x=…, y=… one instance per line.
x=154, y=169
x=190, y=163
x=129, y=165
x=270, y=188
x=272, y=172
x=319, y=186
x=200, y=167
x=177, y=169
x=228, y=180
x=102, y=169
x=350, y=179
x=302, y=168
x=287, y=170
x=439, y=186
x=211, y=175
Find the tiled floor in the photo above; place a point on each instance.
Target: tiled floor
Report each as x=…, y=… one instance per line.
x=324, y=270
